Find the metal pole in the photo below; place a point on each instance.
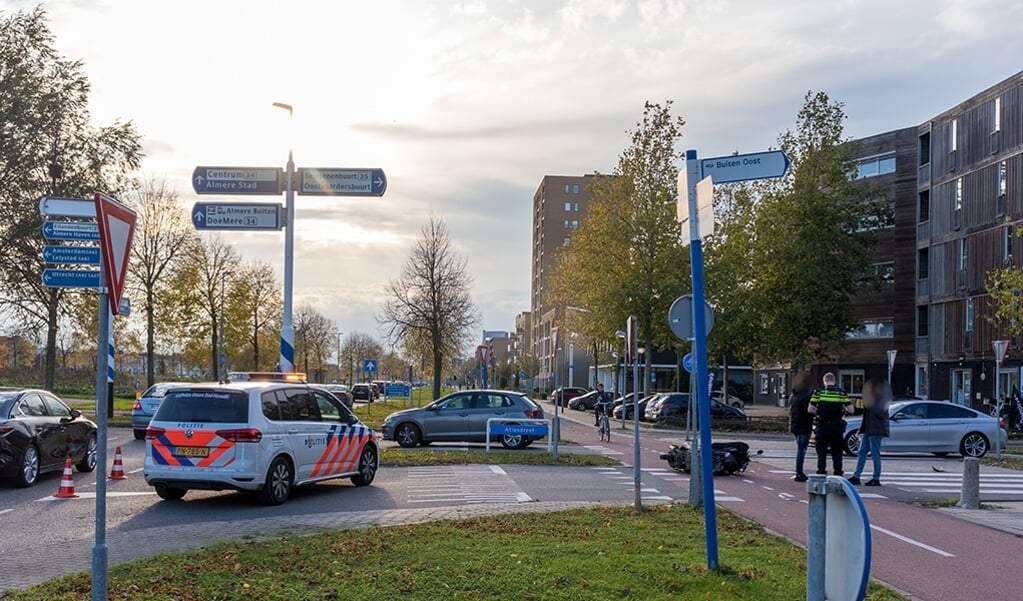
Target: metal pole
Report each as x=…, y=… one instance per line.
x=636, y=472
x=998, y=406
x=694, y=173
x=99, y=550
x=571, y=364
x=816, y=531
x=557, y=421
x=287, y=360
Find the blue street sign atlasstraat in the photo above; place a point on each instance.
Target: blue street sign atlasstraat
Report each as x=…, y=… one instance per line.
x=237, y=180
x=71, y=230
x=71, y=278
x=75, y=255
x=237, y=216
x=744, y=167
x=341, y=182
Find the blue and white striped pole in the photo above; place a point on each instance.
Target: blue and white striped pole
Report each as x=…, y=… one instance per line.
x=287, y=362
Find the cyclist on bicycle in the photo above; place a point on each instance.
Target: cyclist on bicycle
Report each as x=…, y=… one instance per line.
x=602, y=403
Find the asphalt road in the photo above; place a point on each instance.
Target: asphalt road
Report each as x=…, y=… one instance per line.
x=915, y=549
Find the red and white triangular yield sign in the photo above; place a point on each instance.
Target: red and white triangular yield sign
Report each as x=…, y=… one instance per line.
x=116, y=230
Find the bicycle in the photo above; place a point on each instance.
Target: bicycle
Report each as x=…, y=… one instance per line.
x=605, y=428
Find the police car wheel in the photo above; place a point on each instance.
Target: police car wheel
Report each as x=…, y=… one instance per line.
x=170, y=493
x=367, y=467
x=277, y=487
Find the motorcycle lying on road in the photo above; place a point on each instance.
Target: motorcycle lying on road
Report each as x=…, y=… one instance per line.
x=728, y=458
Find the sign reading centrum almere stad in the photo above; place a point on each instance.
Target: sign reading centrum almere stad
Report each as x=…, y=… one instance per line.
x=237, y=180
x=341, y=182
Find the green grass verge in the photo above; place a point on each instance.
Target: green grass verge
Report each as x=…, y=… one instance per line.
x=595, y=553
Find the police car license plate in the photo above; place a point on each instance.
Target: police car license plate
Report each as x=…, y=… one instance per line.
x=191, y=451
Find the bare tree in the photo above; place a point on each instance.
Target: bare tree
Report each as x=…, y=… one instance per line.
x=200, y=279
x=316, y=336
x=259, y=303
x=431, y=302
x=162, y=235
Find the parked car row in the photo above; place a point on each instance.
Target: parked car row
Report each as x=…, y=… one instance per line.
x=658, y=407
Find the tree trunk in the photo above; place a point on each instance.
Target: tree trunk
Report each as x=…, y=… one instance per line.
x=150, y=339
x=51, y=341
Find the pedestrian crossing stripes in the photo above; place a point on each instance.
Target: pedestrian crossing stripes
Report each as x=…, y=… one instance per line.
x=602, y=449
x=653, y=494
x=1008, y=484
x=468, y=484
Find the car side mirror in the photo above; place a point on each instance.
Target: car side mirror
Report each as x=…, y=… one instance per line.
x=75, y=414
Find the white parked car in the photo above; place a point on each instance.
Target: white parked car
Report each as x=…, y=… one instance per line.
x=260, y=436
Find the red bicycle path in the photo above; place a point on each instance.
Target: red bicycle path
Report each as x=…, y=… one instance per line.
x=926, y=554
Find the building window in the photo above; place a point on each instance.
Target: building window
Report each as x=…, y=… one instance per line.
x=952, y=131
x=885, y=273
x=873, y=328
x=969, y=315
x=963, y=254
x=959, y=194
x=575, y=224
x=575, y=188
x=924, y=206
x=763, y=384
x=575, y=207
x=566, y=224
x=567, y=188
x=998, y=114
x=1002, y=172
x=922, y=262
x=1007, y=243
x=851, y=381
x=921, y=320
x=568, y=207
x=924, y=149
x=566, y=240
x=876, y=165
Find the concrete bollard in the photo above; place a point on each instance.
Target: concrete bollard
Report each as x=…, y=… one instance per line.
x=970, y=496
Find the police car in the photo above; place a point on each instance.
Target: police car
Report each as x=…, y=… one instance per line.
x=265, y=435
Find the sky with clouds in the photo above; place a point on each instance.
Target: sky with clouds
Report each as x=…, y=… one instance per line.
x=467, y=105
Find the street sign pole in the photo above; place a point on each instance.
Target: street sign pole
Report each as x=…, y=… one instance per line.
x=287, y=330
x=693, y=177
x=99, y=549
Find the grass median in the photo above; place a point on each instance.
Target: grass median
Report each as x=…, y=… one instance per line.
x=594, y=553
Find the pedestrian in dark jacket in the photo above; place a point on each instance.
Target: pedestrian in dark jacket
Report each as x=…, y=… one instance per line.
x=800, y=421
x=873, y=430
x=830, y=404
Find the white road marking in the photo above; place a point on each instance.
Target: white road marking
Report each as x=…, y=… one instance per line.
x=912, y=542
x=92, y=495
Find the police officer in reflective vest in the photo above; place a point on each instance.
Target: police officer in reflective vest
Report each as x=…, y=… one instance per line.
x=830, y=405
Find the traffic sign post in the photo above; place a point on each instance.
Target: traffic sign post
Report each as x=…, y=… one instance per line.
x=116, y=231
x=71, y=230
x=254, y=181
x=718, y=170
x=341, y=182
x=74, y=255
x=237, y=216
x=745, y=167
x=71, y=278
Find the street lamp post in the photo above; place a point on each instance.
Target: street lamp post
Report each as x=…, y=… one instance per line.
x=221, y=359
x=287, y=360
x=339, y=356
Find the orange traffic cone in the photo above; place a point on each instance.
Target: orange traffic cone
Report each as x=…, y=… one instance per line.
x=117, y=472
x=67, y=483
